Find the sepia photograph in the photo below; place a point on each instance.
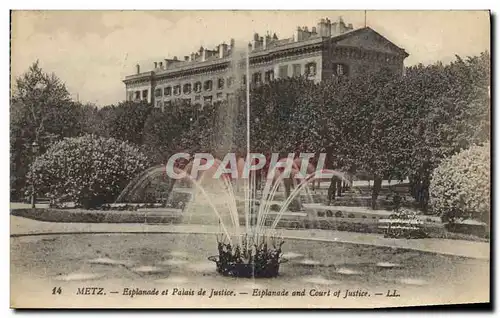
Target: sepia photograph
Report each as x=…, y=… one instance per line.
x=249, y=159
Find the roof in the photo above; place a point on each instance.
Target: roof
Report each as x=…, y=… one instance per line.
x=273, y=46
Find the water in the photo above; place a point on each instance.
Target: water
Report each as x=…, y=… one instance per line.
x=38, y=263
x=244, y=215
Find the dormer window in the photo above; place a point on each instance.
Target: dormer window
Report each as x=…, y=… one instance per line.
x=197, y=87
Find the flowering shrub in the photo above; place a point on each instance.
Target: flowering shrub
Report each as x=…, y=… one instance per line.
x=460, y=186
x=87, y=170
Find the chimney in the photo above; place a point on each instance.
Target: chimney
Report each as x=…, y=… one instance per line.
x=334, y=29
x=156, y=65
x=222, y=50
x=193, y=56
x=313, y=30
x=324, y=28
x=265, y=40
x=186, y=58
x=255, y=41
x=231, y=43
x=350, y=27
x=298, y=35
x=342, y=26
x=175, y=58
x=137, y=68
x=328, y=28
x=204, y=55
x=161, y=65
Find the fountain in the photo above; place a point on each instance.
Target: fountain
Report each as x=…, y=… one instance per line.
x=249, y=244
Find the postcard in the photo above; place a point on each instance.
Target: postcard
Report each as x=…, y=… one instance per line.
x=249, y=159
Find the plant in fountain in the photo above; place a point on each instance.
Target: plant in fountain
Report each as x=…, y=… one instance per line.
x=253, y=258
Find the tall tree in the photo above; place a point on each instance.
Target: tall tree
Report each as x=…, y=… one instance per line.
x=41, y=112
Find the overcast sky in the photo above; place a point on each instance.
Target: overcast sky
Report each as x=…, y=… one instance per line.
x=92, y=51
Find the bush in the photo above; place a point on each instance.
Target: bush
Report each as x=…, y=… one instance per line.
x=87, y=170
x=460, y=186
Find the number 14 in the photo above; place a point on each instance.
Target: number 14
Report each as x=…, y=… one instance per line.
x=56, y=290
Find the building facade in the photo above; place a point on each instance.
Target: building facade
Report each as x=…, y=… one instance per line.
x=327, y=50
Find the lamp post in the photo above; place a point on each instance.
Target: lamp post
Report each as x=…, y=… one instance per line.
x=34, y=151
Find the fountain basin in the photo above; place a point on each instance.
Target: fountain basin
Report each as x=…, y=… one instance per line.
x=42, y=260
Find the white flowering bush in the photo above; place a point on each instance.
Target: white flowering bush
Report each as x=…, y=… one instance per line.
x=88, y=170
x=460, y=186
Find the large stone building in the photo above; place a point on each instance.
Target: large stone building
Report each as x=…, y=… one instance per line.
x=329, y=49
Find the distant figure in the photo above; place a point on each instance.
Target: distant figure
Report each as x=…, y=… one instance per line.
x=334, y=188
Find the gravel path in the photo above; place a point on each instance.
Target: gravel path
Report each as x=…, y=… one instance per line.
x=22, y=226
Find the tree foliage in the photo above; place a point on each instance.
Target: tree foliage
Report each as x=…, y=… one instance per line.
x=88, y=170
x=41, y=112
x=460, y=185
x=127, y=122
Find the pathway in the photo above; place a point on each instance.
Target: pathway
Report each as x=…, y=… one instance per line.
x=20, y=226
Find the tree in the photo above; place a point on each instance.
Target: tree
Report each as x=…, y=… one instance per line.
x=88, y=170
x=127, y=121
x=41, y=112
x=450, y=112
x=170, y=131
x=460, y=185
x=363, y=125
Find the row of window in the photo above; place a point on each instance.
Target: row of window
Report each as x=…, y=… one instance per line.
x=188, y=88
x=198, y=100
x=137, y=95
x=221, y=82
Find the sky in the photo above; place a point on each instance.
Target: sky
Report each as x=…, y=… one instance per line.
x=93, y=51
